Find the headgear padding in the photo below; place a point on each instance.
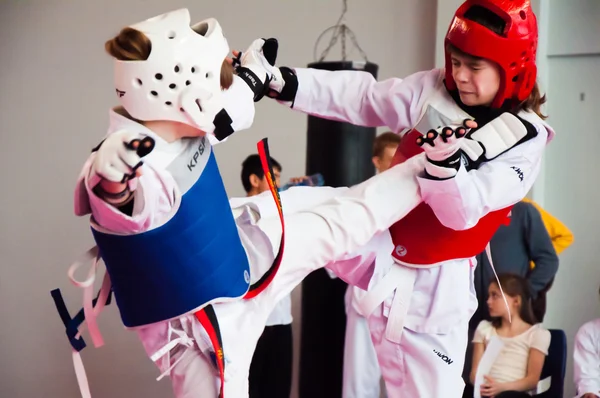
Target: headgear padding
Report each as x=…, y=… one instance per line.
x=180, y=80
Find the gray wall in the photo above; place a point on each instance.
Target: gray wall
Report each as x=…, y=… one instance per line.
x=571, y=189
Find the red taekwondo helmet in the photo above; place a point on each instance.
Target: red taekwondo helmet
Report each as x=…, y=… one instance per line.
x=514, y=49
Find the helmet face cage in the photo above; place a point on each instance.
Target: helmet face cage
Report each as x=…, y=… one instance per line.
x=180, y=80
x=514, y=51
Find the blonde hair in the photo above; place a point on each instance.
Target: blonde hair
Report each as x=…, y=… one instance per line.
x=132, y=45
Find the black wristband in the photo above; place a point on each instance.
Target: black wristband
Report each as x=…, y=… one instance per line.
x=254, y=82
x=290, y=88
x=452, y=162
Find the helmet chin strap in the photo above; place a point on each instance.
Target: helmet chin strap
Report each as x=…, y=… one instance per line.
x=488, y=252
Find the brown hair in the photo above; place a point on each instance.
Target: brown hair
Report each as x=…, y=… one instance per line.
x=132, y=45
x=383, y=141
x=496, y=24
x=534, y=102
x=516, y=286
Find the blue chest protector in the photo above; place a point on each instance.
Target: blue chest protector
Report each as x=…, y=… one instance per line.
x=195, y=258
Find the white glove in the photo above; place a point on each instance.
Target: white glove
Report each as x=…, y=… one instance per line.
x=120, y=155
x=256, y=66
x=442, y=149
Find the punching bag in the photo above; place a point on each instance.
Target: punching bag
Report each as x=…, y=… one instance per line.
x=342, y=153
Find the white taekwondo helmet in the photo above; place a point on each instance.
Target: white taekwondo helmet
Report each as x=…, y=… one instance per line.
x=180, y=80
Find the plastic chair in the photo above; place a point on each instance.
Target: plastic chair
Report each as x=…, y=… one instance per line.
x=552, y=380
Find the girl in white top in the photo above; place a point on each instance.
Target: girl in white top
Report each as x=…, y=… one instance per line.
x=517, y=368
x=586, y=360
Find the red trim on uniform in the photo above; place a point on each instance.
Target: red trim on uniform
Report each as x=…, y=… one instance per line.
x=209, y=322
x=265, y=280
x=207, y=316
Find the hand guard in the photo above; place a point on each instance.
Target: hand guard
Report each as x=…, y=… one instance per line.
x=119, y=156
x=442, y=148
x=256, y=66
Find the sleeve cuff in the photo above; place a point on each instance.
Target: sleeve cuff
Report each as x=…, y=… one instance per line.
x=302, y=101
x=434, y=185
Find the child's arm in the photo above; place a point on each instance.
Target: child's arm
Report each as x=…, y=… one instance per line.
x=347, y=96
x=357, y=98
x=462, y=199
x=478, y=349
x=479, y=341
x=121, y=194
x=535, y=364
x=586, y=359
x=540, y=341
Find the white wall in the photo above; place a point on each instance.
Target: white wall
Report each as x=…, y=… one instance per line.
x=574, y=100
x=55, y=90
x=445, y=13
x=575, y=27
x=571, y=196
x=542, y=11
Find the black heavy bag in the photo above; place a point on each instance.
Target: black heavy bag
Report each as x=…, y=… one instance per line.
x=342, y=153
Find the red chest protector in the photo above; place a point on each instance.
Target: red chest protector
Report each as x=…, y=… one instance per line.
x=419, y=238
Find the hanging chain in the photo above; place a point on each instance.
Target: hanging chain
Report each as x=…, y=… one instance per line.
x=343, y=29
x=340, y=29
